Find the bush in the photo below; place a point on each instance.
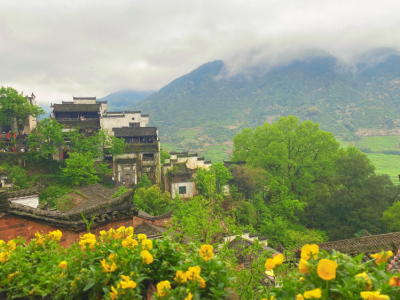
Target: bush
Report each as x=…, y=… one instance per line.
x=51, y=193
x=115, y=265
x=18, y=178
x=152, y=200
x=122, y=190
x=335, y=276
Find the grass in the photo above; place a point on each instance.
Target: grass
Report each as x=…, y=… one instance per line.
x=384, y=163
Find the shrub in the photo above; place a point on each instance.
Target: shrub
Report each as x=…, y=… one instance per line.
x=335, y=276
x=152, y=200
x=122, y=190
x=115, y=265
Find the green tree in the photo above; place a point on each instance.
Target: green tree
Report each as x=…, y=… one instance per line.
x=213, y=179
x=104, y=170
x=144, y=182
x=164, y=155
x=299, y=157
x=15, y=106
x=80, y=169
x=391, y=217
x=18, y=178
x=356, y=200
x=152, y=200
x=48, y=138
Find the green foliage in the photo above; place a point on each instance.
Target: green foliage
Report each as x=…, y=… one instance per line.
x=144, y=182
x=92, y=268
x=357, y=199
x=64, y=203
x=214, y=179
x=122, y=190
x=391, y=217
x=152, y=200
x=305, y=236
x=104, y=170
x=18, y=178
x=15, y=106
x=48, y=137
x=79, y=169
x=51, y=193
x=164, y=155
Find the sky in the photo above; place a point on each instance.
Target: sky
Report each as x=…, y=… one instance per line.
x=59, y=49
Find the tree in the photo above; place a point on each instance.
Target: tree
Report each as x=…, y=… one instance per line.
x=356, y=200
x=48, y=138
x=144, y=182
x=164, y=155
x=213, y=179
x=16, y=107
x=249, y=181
x=104, y=170
x=299, y=157
x=80, y=169
x=391, y=217
x=18, y=178
x=152, y=200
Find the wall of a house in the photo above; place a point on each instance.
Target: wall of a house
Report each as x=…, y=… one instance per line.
x=32, y=201
x=190, y=189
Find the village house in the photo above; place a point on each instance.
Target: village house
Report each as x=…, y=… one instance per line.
x=142, y=154
x=179, y=173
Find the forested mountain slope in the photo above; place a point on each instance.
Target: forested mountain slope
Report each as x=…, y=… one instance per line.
x=202, y=111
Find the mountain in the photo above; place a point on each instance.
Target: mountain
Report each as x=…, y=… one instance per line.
x=203, y=110
x=120, y=100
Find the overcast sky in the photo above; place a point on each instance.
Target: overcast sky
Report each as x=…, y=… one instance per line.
x=58, y=48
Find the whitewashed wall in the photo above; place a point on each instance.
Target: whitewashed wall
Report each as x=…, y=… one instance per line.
x=32, y=201
x=189, y=189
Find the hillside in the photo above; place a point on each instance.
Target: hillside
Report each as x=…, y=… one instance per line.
x=200, y=112
x=120, y=100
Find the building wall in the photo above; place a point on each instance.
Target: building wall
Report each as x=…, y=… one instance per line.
x=13, y=226
x=190, y=189
x=85, y=101
x=123, y=120
x=32, y=201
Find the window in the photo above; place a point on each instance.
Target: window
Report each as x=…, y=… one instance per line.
x=133, y=118
x=134, y=124
x=182, y=190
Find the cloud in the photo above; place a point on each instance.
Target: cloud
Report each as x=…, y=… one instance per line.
x=57, y=49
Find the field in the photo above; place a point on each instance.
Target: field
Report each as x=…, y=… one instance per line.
x=384, y=163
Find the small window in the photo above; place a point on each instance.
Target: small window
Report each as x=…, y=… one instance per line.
x=133, y=118
x=148, y=156
x=182, y=190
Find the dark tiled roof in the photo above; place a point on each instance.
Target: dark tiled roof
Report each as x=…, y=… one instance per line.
x=366, y=244
x=84, y=98
x=137, y=148
x=207, y=162
x=135, y=131
x=149, y=229
x=227, y=164
x=125, y=161
x=179, y=153
x=81, y=124
x=76, y=107
x=132, y=111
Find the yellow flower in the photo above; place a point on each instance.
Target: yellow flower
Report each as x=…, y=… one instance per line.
x=382, y=257
x=4, y=257
x=112, y=257
x=10, y=276
x=108, y=268
x=303, y=266
x=313, y=294
x=72, y=283
x=368, y=282
x=302, y=279
x=147, y=245
x=111, y=232
x=55, y=235
x=271, y=263
x=31, y=292
x=63, y=265
x=129, y=242
x=180, y=277
x=327, y=269
x=206, y=252
x=193, y=273
x=11, y=245
x=202, y=282
x=373, y=296
x=142, y=237
x=128, y=284
x=272, y=298
x=394, y=281
x=39, y=239
x=299, y=297
x=119, y=233
x=87, y=239
x=309, y=251
x=189, y=297
x=113, y=293
x=129, y=231
x=147, y=257
x=163, y=287
x=103, y=233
